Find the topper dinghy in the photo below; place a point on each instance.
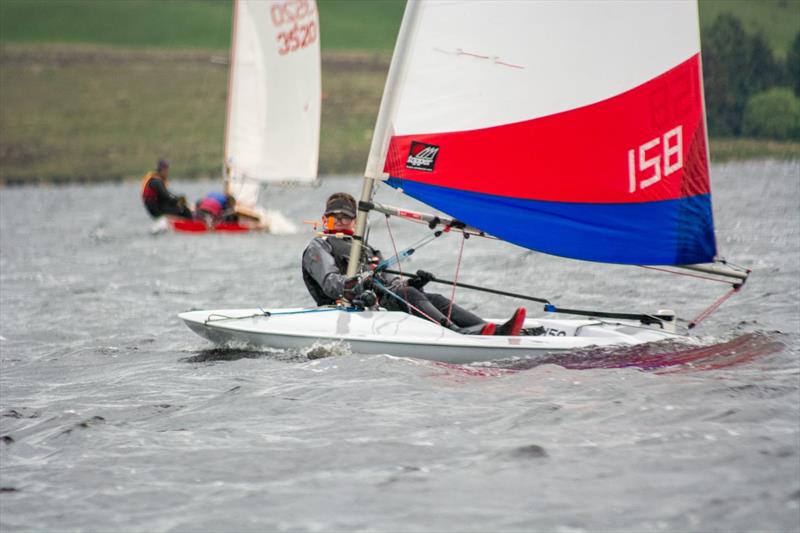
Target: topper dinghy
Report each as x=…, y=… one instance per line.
x=571, y=128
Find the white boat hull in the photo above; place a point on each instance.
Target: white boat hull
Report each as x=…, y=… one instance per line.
x=404, y=335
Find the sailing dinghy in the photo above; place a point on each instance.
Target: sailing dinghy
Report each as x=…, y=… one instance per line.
x=571, y=128
x=273, y=110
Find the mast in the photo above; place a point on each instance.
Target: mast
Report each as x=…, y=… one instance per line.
x=383, y=126
x=226, y=170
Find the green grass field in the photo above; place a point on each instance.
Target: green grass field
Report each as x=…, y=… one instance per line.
x=92, y=113
x=346, y=24
x=367, y=25
x=99, y=89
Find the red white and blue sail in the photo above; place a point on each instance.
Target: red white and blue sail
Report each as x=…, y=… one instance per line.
x=573, y=128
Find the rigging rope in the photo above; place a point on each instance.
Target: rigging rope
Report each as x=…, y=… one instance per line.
x=402, y=254
x=455, y=279
x=383, y=288
x=399, y=256
x=215, y=317
x=713, y=307
x=394, y=247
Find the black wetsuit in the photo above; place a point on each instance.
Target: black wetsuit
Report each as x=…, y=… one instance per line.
x=159, y=201
x=325, y=262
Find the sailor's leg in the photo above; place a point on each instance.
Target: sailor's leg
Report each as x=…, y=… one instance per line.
x=418, y=304
x=458, y=315
x=176, y=210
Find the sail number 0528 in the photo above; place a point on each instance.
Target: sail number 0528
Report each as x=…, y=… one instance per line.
x=657, y=158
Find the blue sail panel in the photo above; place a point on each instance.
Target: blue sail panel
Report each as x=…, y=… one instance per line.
x=666, y=232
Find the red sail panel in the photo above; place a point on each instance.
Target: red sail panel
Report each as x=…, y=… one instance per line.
x=646, y=144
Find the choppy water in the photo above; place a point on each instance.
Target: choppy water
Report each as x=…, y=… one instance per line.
x=113, y=415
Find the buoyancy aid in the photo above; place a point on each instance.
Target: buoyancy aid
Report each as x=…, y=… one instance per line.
x=149, y=195
x=339, y=248
x=210, y=205
x=222, y=198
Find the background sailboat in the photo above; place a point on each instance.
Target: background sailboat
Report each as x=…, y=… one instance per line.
x=274, y=101
x=572, y=128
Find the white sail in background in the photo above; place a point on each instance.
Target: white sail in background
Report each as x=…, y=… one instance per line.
x=274, y=90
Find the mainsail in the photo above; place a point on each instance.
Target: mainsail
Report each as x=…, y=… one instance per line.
x=573, y=128
x=274, y=89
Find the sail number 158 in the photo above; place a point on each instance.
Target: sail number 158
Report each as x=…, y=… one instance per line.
x=657, y=158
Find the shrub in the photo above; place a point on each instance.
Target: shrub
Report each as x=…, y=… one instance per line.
x=793, y=65
x=736, y=65
x=774, y=114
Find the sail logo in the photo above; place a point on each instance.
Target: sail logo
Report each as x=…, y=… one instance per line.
x=422, y=156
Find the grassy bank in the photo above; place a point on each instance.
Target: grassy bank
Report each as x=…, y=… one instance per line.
x=738, y=149
x=83, y=113
x=88, y=114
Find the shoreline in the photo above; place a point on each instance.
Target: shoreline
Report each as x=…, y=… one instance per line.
x=12, y=183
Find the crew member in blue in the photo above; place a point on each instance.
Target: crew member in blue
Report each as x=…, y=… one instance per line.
x=156, y=197
x=325, y=262
x=216, y=207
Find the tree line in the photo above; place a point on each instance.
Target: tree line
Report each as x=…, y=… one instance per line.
x=749, y=92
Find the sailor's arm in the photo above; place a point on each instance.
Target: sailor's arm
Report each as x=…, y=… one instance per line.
x=319, y=263
x=162, y=191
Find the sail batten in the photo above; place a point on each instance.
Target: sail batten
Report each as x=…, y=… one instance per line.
x=572, y=128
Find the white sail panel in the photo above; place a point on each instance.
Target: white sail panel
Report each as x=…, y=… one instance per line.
x=272, y=131
x=477, y=64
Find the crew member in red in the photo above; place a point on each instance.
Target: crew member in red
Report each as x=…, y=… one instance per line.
x=158, y=200
x=325, y=262
x=215, y=208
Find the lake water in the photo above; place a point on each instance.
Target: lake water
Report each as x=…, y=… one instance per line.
x=115, y=416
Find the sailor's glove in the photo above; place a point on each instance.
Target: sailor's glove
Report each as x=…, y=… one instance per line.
x=366, y=283
x=421, y=280
x=353, y=287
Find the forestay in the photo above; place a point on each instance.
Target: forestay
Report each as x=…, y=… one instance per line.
x=572, y=128
x=274, y=89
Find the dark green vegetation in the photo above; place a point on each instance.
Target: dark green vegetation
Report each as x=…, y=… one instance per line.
x=139, y=79
x=777, y=20
x=743, y=78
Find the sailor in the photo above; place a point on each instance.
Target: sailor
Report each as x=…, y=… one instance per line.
x=156, y=197
x=325, y=262
x=216, y=207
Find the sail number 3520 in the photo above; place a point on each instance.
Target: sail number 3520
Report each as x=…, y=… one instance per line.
x=300, y=34
x=655, y=159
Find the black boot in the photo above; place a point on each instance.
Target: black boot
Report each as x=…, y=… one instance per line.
x=514, y=325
